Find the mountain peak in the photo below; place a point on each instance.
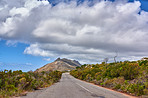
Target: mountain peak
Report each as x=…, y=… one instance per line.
x=59, y=64
x=58, y=59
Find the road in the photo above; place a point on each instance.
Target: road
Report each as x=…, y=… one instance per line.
x=70, y=87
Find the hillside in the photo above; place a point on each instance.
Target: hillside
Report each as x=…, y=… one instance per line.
x=129, y=76
x=18, y=83
x=60, y=65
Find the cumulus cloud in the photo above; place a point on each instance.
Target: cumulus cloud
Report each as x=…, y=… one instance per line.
x=83, y=32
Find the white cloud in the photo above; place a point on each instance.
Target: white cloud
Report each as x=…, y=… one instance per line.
x=11, y=43
x=28, y=63
x=126, y=9
x=16, y=11
x=36, y=51
x=130, y=58
x=45, y=2
x=1, y=9
x=46, y=59
x=79, y=32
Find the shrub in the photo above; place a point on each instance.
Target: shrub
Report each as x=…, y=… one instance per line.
x=15, y=82
x=127, y=76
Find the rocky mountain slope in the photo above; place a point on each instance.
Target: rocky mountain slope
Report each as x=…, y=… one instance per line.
x=60, y=65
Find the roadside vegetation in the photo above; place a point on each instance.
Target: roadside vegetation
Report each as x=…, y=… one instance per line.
x=16, y=83
x=128, y=77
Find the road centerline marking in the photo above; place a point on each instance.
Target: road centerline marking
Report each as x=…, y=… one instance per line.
x=84, y=88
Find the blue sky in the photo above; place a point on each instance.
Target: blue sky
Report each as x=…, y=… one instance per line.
x=144, y=5
x=12, y=57
x=12, y=50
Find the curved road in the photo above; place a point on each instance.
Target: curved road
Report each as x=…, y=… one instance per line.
x=70, y=87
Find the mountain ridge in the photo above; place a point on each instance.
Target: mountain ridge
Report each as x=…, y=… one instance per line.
x=59, y=64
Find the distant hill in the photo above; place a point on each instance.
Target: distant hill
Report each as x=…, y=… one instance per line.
x=60, y=65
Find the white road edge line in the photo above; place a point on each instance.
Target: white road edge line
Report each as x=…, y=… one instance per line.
x=84, y=88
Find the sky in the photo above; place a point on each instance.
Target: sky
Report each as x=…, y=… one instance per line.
x=36, y=32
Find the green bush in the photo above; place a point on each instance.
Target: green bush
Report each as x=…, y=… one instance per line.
x=130, y=77
x=15, y=82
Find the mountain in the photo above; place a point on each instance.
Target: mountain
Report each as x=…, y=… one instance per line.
x=60, y=65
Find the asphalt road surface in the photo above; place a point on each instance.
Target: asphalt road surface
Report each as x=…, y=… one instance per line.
x=70, y=87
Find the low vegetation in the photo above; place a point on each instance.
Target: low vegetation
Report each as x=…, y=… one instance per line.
x=128, y=77
x=15, y=83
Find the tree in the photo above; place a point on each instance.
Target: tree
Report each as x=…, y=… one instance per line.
x=106, y=60
x=115, y=56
